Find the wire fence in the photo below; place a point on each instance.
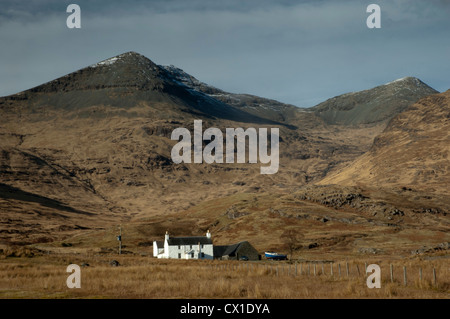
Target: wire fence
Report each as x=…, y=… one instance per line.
x=420, y=275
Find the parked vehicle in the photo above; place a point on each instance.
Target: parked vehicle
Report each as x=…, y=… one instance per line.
x=275, y=256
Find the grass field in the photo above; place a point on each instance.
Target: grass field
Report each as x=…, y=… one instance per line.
x=146, y=277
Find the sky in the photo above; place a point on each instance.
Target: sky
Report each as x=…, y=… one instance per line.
x=298, y=52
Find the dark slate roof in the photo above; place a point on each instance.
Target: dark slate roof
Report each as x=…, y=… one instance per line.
x=227, y=250
x=175, y=241
x=159, y=243
x=218, y=251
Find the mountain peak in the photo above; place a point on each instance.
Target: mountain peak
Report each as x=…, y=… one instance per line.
x=375, y=105
x=127, y=57
x=410, y=80
x=126, y=70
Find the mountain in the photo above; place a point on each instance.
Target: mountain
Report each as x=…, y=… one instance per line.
x=413, y=151
x=375, y=105
x=122, y=83
x=86, y=152
x=96, y=144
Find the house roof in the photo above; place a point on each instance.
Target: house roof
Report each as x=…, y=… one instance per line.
x=195, y=240
x=227, y=250
x=219, y=251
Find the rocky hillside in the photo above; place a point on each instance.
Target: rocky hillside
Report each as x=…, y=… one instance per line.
x=412, y=151
x=92, y=149
x=97, y=141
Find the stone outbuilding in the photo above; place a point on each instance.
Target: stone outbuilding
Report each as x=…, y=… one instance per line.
x=240, y=251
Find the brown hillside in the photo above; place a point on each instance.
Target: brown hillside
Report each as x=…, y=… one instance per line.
x=91, y=150
x=413, y=150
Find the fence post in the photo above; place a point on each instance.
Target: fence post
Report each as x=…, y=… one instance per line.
x=314, y=269
x=346, y=266
x=404, y=275
x=420, y=274
x=357, y=268
x=301, y=268
x=339, y=269
x=434, y=276
x=392, y=273
x=331, y=269
x=323, y=271
x=295, y=268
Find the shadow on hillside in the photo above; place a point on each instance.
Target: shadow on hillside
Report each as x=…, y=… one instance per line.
x=10, y=192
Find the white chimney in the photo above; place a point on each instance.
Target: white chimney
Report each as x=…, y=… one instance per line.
x=208, y=234
x=166, y=237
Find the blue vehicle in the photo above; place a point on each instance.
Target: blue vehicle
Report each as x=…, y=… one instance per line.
x=275, y=256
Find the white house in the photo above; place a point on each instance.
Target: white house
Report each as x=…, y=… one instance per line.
x=197, y=247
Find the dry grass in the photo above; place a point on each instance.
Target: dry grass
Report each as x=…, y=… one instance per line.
x=145, y=277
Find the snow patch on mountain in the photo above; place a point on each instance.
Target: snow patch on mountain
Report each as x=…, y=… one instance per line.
x=105, y=62
x=405, y=79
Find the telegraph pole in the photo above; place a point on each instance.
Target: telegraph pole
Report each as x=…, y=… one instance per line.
x=119, y=238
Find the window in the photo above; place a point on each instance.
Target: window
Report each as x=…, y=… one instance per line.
x=179, y=247
x=192, y=255
x=179, y=256
x=203, y=255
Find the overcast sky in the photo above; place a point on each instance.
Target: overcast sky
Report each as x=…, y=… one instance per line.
x=297, y=52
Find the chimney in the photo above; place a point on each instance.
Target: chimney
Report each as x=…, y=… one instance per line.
x=208, y=234
x=166, y=237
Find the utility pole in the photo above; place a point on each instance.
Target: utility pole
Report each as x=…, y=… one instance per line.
x=119, y=238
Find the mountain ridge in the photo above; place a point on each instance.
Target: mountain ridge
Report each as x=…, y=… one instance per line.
x=131, y=78
x=378, y=104
x=123, y=81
